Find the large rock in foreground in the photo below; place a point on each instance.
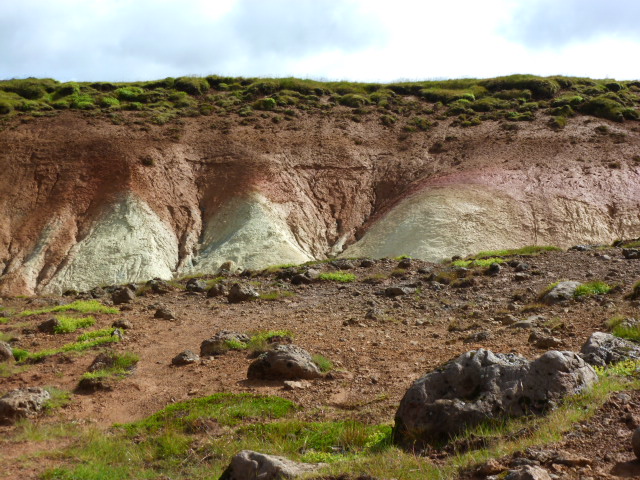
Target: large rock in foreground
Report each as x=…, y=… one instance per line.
x=481, y=385
x=22, y=403
x=249, y=465
x=603, y=348
x=284, y=362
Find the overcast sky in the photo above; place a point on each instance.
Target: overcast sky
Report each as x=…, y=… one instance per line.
x=363, y=40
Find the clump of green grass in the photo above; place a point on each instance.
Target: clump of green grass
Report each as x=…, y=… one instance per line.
x=59, y=398
x=85, y=341
x=619, y=327
x=81, y=306
x=596, y=287
x=276, y=295
x=10, y=369
x=525, y=251
x=71, y=324
x=261, y=341
x=121, y=366
x=340, y=277
x=480, y=262
x=225, y=408
x=4, y=320
x=635, y=292
x=324, y=364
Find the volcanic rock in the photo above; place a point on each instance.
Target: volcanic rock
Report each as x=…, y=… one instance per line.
x=479, y=385
x=241, y=293
x=218, y=344
x=123, y=295
x=6, y=352
x=22, y=403
x=284, y=362
x=563, y=291
x=603, y=348
x=249, y=465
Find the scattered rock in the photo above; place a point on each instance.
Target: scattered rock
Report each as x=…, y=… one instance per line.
x=529, y=473
x=6, y=352
x=635, y=443
x=562, y=292
x=185, y=358
x=159, y=286
x=404, y=263
x=544, y=341
x=22, y=403
x=341, y=264
x=491, y=467
x=295, y=384
x=301, y=279
x=603, y=348
x=241, y=293
x=122, y=323
x=507, y=319
x=521, y=277
x=478, y=337
x=196, y=285
x=250, y=465
x=49, y=326
x=479, y=385
x=218, y=344
x=164, y=313
x=227, y=268
x=631, y=253
x=123, y=295
x=522, y=267
x=367, y=263
x=284, y=362
x=397, y=291
x=494, y=269
x=217, y=290
x=373, y=314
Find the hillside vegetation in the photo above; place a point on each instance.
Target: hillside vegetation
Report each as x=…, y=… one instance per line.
x=515, y=98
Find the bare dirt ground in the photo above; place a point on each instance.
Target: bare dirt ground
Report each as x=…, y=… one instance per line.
x=376, y=359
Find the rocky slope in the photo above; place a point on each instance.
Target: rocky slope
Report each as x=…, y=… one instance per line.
x=87, y=201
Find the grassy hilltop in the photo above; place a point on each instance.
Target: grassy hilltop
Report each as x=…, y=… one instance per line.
x=471, y=101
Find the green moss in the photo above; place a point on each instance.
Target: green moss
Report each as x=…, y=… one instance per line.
x=323, y=363
x=81, y=306
x=596, y=287
x=340, y=277
x=71, y=324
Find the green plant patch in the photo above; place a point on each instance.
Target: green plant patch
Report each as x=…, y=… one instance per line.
x=340, y=277
x=71, y=324
x=596, y=287
x=276, y=295
x=59, y=398
x=10, y=369
x=261, y=341
x=324, y=364
x=80, y=306
x=527, y=251
x=480, y=262
x=85, y=341
x=4, y=320
x=626, y=368
x=122, y=365
x=225, y=408
x=629, y=332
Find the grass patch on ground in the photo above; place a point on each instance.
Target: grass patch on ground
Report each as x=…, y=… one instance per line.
x=80, y=306
x=259, y=341
x=597, y=287
x=122, y=365
x=324, y=364
x=276, y=295
x=9, y=369
x=71, y=324
x=340, y=277
x=85, y=341
x=4, y=320
x=480, y=262
x=59, y=398
x=524, y=251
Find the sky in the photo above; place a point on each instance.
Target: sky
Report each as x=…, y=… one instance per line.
x=357, y=40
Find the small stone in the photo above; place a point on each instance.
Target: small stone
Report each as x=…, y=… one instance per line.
x=494, y=269
x=491, y=467
x=404, y=263
x=6, y=352
x=241, y=293
x=521, y=277
x=562, y=292
x=248, y=465
x=122, y=323
x=49, y=326
x=295, y=385
x=185, y=358
x=529, y=473
x=219, y=343
x=217, y=290
x=300, y=279
x=635, y=443
x=397, y=291
x=164, y=313
x=367, y=263
x=284, y=362
x=196, y=285
x=22, y=403
x=123, y=295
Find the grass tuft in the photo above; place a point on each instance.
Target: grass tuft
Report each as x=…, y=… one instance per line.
x=71, y=324
x=340, y=277
x=81, y=306
x=596, y=287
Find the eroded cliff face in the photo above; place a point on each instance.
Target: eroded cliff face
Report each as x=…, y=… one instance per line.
x=85, y=202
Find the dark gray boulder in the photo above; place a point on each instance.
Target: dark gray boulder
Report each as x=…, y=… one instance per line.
x=123, y=295
x=196, y=285
x=49, y=326
x=217, y=290
x=284, y=362
x=219, y=343
x=562, y=292
x=480, y=385
x=22, y=403
x=250, y=465
x=241, y=293
x=603, y=348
